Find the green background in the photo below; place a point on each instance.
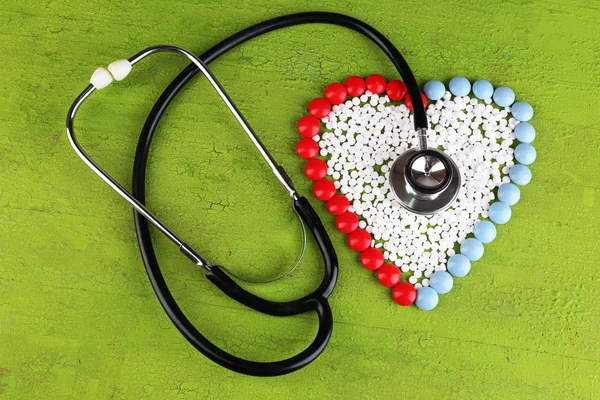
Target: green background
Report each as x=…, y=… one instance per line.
x=78, y=318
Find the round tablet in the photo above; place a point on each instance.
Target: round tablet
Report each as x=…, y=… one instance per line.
x=459, y=86
x=520, y=174
x=427, y=298
x=441, y=282
x=524, y=132
x=522, y=111
x=509, y=193
x=485, y=231
x=434, y=90
x=525, y=153
x=500, y=212
x=472, y=249
x=504, y=96
x=458, y=265
x=483, y=89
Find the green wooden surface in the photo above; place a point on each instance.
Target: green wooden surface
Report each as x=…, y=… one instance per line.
x=78, y=318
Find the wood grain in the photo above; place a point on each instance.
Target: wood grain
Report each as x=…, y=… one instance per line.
x=78, y=318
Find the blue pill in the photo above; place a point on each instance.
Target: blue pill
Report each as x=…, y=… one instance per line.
x=525, y=153
x=520, y=174
x=434, y=90
x=441, y=282
x=509, y=193
x=427, y=298
x=524, y=132
x=522, y=111
x=458, y=265
x=483, y=89
x=472, y=249
x=459, y=86
x=485, y=231
x=504, y=96
x=499, y=212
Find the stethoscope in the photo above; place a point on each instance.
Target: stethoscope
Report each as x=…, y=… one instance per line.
x=423, y=180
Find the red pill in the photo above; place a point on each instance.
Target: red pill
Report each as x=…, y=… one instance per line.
x=308, y=126
x=388, y=275
x=336, y=93
x=376, y=83
x=338, y=204
x=359, y=240
x=307, y=148
x=396, y=90
x=347, y=222
x=372, y=258
x=324, y=189
x=355, y=85
x=404, y=294
x=409, y=104
x=315, y=169
x=319, y=108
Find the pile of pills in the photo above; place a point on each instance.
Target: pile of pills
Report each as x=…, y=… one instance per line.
x=362, y=137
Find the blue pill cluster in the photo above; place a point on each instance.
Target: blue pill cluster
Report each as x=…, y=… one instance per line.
x=509, y=194
x=484, y=90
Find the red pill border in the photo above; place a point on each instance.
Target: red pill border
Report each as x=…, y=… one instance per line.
x=358, y=239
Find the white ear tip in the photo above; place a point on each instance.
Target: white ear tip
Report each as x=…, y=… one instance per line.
x=101, y=78
x=120, y=69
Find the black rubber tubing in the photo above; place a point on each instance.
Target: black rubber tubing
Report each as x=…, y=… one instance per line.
x=318, y=299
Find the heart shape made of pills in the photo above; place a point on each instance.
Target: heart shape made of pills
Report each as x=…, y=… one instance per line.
x=354, y=133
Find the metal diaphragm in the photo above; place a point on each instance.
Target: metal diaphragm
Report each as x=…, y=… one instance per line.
x=424, y=181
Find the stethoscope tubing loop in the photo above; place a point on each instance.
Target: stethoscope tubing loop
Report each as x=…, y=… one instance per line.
x=327, y=285
x=317, y=300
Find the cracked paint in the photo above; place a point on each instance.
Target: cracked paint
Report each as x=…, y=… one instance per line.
x=78, y=318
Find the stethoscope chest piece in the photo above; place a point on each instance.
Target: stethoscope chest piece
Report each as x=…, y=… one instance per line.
x=424, y=181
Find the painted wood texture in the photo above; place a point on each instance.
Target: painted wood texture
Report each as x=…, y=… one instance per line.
x=78, y=318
